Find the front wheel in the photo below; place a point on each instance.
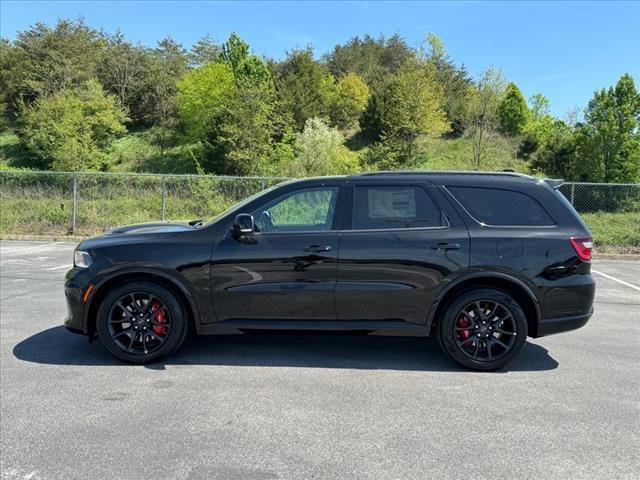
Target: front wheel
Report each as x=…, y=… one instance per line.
x=483, y=329
x=141, y=321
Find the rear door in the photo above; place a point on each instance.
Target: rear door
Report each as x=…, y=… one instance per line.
x=401, y=241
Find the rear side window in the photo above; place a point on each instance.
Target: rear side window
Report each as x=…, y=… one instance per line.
x=403, y=206
x=493, y=206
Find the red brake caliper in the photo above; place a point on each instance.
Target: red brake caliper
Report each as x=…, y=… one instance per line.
x=464, y=322
x=158, y=317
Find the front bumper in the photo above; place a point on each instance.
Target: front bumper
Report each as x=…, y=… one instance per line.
x=74, y=287
x=562, y=324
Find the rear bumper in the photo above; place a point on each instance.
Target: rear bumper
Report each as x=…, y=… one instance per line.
x=562, y=324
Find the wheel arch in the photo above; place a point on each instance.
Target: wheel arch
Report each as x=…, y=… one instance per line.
x=123, y=276
x=515, y=287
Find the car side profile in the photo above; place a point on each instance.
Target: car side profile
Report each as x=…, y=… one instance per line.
x=480, y=260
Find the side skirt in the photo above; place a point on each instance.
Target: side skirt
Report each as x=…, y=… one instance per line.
x=380, y=327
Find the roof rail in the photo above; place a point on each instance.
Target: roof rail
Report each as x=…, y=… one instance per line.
x=440, y=172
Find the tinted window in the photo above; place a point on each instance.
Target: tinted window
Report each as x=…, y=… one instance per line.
x=377, y=207
x=501, y=207
x=304, y=210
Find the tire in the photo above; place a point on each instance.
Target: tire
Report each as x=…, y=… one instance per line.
x=479, y=341
x=146, y=317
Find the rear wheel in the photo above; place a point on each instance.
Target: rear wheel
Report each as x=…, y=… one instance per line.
x=483, y=329
x=141, y=321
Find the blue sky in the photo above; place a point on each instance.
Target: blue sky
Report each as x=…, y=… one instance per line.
x=565, y=50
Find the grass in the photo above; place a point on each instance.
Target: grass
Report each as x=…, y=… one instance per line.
x=139, y=151
x=457, y=154
x=614, y=232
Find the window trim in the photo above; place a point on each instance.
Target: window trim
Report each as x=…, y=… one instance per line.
x=491, y=225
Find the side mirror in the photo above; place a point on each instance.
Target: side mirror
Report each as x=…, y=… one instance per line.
x=243, y=225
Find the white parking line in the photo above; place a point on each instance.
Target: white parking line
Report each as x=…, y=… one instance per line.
x=622, y=282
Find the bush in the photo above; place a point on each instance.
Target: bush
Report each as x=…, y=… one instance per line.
x=320, y=150
x=71, y=129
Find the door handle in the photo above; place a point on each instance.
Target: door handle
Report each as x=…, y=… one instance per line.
x=318, y=248
x=445, y=246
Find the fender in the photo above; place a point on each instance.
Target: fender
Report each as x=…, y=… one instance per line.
x=480, y=275
x=147, y=271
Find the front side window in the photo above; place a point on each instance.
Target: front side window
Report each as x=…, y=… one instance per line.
x=309, y=210
x=493, y=206
x=403, y=206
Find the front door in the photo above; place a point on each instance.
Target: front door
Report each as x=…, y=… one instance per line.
x=404, y=241
x=286, y=270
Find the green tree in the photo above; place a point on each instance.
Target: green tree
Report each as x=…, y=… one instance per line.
x=556, y=156
x=70, y=129
x=248, y=69
x=304, y=87
x=52, y=59
x=376, y=61
x=168, y=62
x=239, y=139
x=7, y=70
x=320, y=150
x=413, y=107
x=205, y=50
x=348, y=101
x=480, y=119
x=455, y=81
x=371, y=59
x=202, y=94
x=123, y=70
x=609, y=138
x=539, y=106
x=540, y=127
x=513, y=113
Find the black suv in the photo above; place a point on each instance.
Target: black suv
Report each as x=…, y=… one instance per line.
x=481, y=260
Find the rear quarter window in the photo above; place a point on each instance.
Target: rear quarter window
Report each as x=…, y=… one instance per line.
x=493, y=206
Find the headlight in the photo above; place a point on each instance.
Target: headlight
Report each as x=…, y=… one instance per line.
x=82, y=259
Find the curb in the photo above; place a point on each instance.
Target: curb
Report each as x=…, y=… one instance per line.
x=44, y=238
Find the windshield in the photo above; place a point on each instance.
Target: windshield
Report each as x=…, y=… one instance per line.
x=245, y=202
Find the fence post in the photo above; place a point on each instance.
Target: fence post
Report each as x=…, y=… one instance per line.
x=264, y=184
x=164, y=195
x=573, y=192
x=74, y=207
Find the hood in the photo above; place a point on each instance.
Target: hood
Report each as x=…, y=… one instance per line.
x=152, y=227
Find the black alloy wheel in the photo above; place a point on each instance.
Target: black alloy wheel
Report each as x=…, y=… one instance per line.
x=141, y=321
x=483, y=329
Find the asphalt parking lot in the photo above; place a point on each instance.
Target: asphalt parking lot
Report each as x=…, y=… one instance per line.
x=311, y=406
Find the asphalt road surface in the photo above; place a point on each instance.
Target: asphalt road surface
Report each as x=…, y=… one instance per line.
x=311, y=406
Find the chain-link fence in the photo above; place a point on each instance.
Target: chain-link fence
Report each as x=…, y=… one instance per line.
x=55, y=203
x=603, y=197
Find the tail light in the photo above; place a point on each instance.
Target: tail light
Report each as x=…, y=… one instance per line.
x=583, y=247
